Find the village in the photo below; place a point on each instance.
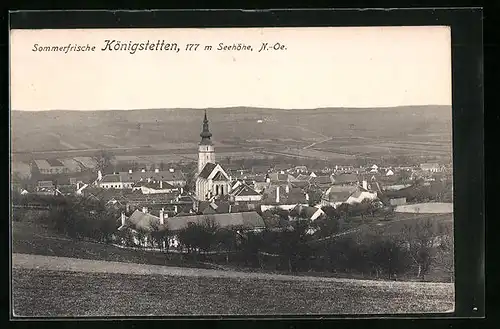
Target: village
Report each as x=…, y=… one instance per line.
x=330, y=201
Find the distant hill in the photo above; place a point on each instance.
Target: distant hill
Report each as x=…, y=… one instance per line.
x=64, y=130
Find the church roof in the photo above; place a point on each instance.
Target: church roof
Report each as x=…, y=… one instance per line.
x=219, y=177
x=207, y=170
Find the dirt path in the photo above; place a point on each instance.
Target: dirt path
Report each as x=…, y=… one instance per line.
x=93, y=266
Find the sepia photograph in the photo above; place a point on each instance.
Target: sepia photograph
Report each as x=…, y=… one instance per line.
x=231, y=171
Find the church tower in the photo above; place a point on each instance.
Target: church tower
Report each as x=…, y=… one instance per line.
x=206, y=152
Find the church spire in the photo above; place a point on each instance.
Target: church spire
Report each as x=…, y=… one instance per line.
x=205, y=133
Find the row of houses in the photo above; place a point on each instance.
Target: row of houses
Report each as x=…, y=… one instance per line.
x=62, y=166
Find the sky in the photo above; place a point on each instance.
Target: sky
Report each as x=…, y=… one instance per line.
x=320, y=67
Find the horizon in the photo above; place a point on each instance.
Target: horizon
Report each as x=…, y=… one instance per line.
x=235, y=107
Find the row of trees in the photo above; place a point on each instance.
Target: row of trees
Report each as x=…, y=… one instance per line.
x=290, y=242
x=290, y=246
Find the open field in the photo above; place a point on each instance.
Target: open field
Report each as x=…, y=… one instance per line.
x=426, y=208
x=166, y=129
x=34, y=239
x=99, y=292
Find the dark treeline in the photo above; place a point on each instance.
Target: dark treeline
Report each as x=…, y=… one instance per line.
x=290, y=243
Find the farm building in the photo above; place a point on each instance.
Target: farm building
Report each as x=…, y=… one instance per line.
x=127, y=180
x=71, y=164
x=48, y=167
x=86, y=162
x=145, y=222
x=115, y=181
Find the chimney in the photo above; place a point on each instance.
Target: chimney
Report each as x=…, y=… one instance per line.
x=182, y=190
x=365, y=185
x=99, y=175
x=162, y=216
x=161, y=185
x=145, y=210
x=123, y=218
x=175, y=209
x=130, y=171
x=287, y=189
x=307, y=196
x=278, y=194
x=157, y=170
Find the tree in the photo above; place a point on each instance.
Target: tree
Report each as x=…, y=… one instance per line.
x=141, y=236
x=291, y=241
x=326, y=226
x=445, y=254
x=387, y=255
x=314, y=197
x=190, y=181
x=251, y=245
x=158, y=233
x=104, y=159
x=419, y=240
x=227, y=241
x=331, y=212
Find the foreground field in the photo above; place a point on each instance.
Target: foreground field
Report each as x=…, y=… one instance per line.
x=34, y=239
x=97, y=291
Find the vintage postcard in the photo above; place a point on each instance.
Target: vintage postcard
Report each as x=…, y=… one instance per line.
x=231, y=171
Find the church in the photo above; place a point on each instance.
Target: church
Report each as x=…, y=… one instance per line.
x=212, y=181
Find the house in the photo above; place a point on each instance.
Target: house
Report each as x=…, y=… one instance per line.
x=323, y=181
x=244, y=193
x=389, y=172
x=360, y=195
x=345, y=179
x=115, y=181
x=154, y=187
x=396, y=187
x=213, y=207
x=431, y=167
x=374, y=169
x=340, y=168
x=300, y=169
x=337, y=194
x=305, y=185
x=45, y=188
x=283, y=197
x=171, y=176
x=48, y=167
x=45, y=184
x=302, y=177
x=280, y=178
x=307, y=212
x=146, y=222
